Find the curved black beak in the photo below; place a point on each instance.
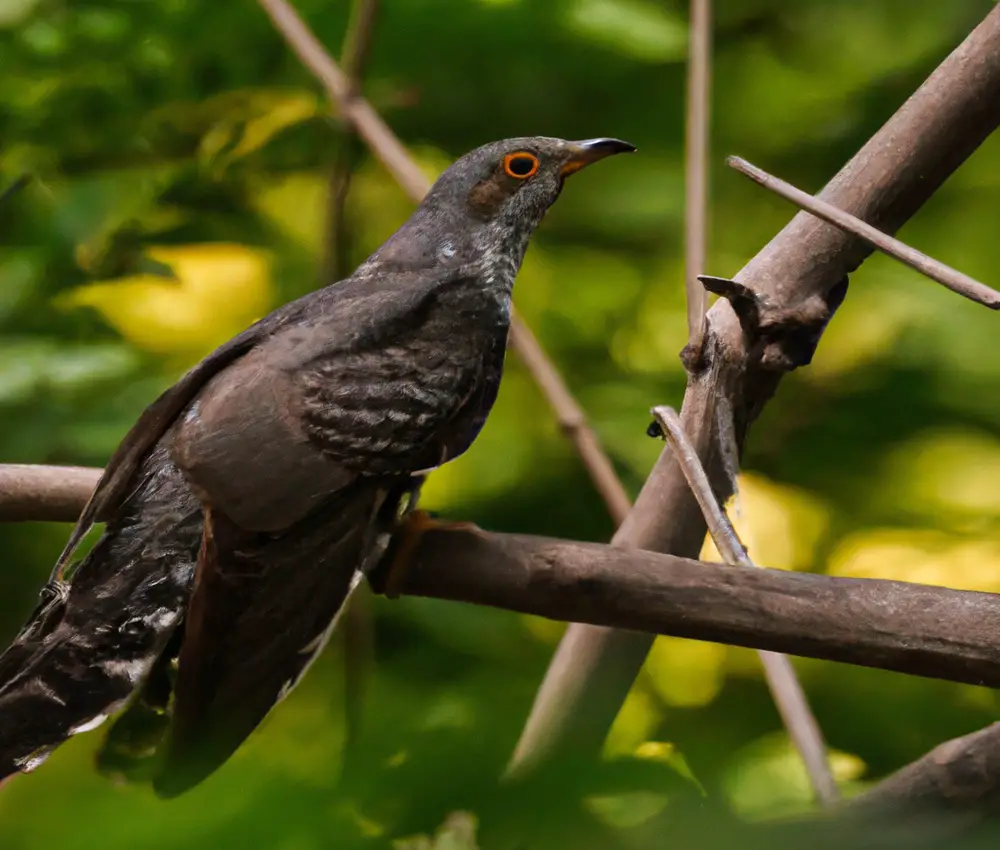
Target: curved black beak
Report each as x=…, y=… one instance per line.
x=582, y=154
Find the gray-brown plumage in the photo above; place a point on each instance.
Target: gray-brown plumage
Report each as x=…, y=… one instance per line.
x=248, y=500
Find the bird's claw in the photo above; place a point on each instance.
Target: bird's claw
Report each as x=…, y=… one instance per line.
x=409, y=532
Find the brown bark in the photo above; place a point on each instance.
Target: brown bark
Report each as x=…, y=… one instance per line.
x=769, y=325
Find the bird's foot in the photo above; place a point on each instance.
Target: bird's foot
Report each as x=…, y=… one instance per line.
x=415, y=526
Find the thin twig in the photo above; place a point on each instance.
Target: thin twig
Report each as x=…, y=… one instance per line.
x=353, y=58
x=35, y=493
x=368, y=123
x=696, y=168
x=15, y=187
x=358, y=42
x=572, y=420
x=785, y=687
x=336, y=258
x=358, y=632
x=948, y=277
x=397, y=160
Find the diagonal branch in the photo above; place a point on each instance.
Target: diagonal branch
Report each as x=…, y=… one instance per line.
x=15, y=187
x=962, y=775
x=781, y=678
x=572, y=420
x=368, y=123
x=353, y=57
x=770, y=324
x=948, y=277
x=394, y=156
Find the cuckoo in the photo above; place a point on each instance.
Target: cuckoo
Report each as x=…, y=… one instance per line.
x=249, y=499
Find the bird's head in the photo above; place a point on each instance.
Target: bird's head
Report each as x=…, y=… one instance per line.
x=486, y=205
x=510, y=184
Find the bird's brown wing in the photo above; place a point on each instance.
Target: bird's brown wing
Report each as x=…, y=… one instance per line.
x=288, y=525
x=118, y=480
x=354, y=311
x=261, y=611
x=354, y=389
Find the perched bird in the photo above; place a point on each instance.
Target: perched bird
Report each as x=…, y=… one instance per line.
x=249, y=498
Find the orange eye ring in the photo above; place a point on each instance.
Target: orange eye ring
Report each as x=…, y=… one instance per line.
x=520, y=165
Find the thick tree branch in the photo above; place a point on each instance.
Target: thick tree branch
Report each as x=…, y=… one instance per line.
x=909, y=628
x=390, y=151
x=778, y=310
x=962, y=775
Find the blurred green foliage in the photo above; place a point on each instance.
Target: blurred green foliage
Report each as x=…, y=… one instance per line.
x=181, y=158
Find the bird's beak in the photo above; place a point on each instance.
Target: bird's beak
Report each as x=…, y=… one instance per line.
x=582, y=154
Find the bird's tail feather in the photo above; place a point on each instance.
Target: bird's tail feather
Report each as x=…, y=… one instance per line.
x=261, y=612
x=54, y=695
x=90, y=644
x=143, y=743
x=132, y=749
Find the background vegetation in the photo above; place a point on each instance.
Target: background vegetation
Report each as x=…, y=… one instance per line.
x=181, y=135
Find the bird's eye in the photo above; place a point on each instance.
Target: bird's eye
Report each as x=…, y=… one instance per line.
x=520, y=165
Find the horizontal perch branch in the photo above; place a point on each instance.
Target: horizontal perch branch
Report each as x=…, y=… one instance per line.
x=910, y=628
x=36, y=493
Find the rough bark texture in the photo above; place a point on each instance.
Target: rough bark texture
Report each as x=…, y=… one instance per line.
x=911, y=628
x=769, y=325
